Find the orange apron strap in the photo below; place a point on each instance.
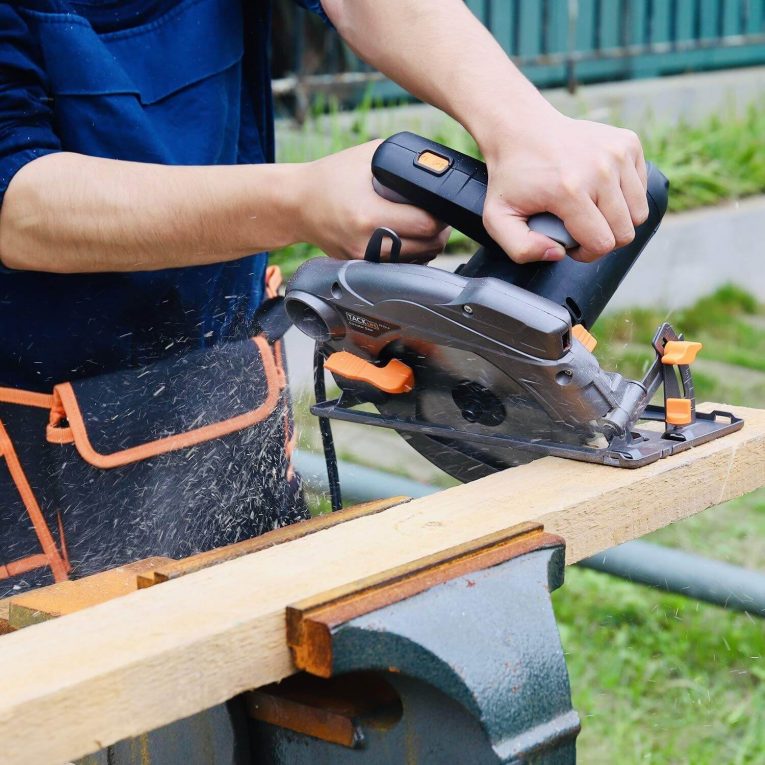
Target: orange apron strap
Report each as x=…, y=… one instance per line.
x=52, y=556
x=22, y=565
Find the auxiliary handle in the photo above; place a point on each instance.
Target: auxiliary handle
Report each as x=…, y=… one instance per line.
x=451, y=186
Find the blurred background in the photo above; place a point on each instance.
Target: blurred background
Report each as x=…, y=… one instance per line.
x=656, y=677
x=556, y=42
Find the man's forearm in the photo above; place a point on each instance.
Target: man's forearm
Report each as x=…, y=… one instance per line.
x=441, y=53
x=593, y=176
x=72, y=213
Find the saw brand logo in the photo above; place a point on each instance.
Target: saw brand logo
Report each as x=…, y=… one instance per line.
x=366, y=324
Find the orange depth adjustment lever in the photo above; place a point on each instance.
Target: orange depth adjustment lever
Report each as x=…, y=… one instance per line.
x=394, y=377
x=680, y=352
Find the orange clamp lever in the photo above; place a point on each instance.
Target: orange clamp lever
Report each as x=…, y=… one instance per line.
x=394, y=377
x=680, y=352
x=678, y=411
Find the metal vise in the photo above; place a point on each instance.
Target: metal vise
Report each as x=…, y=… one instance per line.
x=451, y=660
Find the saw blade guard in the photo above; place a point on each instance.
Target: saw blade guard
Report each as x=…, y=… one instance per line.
x=485, y=355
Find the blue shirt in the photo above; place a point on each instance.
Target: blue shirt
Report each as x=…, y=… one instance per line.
x=166, y=81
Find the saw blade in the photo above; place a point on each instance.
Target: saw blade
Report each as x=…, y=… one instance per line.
x=463, y=391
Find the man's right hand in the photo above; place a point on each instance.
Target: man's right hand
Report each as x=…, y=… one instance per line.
x=341, y=210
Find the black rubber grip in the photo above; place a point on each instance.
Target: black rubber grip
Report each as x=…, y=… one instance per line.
x=455, y=195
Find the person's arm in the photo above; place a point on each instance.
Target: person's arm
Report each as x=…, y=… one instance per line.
x=592, y=176
x=67, y=212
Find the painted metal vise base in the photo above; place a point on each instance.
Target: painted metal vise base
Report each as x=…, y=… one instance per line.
x=471, y=658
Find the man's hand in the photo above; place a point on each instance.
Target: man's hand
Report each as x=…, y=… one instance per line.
x=590, y=175
x=341, y=210
x=70, y=213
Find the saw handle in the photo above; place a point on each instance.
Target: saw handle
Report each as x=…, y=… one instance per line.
x=545, y=223
x=449, y=185
x=452, y=186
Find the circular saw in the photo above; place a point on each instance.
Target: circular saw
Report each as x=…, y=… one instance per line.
x=492, y=366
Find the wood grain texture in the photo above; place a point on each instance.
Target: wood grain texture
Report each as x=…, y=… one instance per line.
x=176, y=568
x=130, y=665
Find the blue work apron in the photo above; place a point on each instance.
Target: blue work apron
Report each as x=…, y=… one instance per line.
x=169, y=446
x=171, y=92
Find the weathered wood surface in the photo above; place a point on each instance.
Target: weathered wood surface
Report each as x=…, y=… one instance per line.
x=172, y=569
x=160, y=654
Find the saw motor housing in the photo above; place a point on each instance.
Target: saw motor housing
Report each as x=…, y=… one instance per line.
x=489, y=367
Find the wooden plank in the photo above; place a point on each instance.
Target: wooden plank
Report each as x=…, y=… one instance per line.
x=45, y=603
x=172, y=569
x=64, y=598
x=166, y=652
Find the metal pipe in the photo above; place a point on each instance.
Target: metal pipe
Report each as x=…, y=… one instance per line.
x=675, y=571
x=683, y=573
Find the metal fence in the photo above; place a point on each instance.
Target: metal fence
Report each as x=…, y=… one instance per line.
x=555, y=42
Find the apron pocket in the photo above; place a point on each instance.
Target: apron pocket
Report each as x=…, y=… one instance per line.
x=174, y=458
x=120, y=418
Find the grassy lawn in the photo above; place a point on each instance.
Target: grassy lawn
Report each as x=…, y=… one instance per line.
x=659, y=678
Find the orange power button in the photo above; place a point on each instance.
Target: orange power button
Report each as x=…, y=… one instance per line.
x=433, y=162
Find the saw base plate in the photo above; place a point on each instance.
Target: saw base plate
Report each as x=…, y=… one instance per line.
x=640, y=447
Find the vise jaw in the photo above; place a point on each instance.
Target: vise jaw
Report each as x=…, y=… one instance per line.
x=454, y=658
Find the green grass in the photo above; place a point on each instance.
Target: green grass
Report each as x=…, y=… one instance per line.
x=715, y=161
x=729, y=324
x=658, y=678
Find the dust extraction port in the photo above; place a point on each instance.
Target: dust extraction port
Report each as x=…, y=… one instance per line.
x=314, y=317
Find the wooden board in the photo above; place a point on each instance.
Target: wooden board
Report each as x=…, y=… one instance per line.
x=172, y=569
x=67, y=597
x=166, y=652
